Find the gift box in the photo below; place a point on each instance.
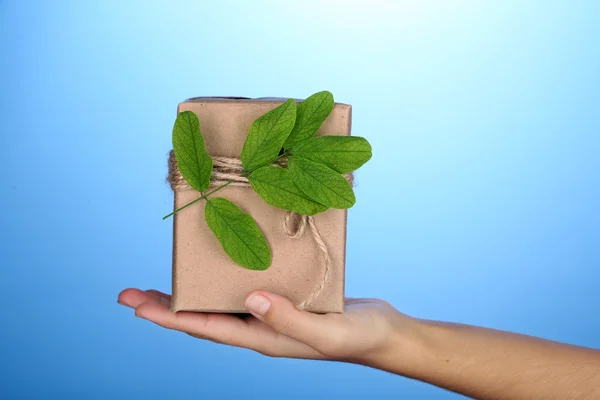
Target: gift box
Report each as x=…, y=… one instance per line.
x=308, y=254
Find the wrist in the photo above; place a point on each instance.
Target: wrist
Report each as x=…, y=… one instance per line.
x=404, y=350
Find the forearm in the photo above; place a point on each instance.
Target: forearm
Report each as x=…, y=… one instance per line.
x=490, y=364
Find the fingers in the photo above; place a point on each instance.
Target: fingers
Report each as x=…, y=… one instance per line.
x=160, y=297
x=134, y=297
x=227, y=329
x=158, y=294
x=154, y=306
x=283, y=317
x=220, y=328
x=283, y=332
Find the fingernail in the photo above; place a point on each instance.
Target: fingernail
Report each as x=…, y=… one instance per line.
x=257, y=304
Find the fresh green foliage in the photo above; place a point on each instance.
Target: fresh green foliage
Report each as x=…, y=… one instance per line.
x=321, y=183
x=275, y=186
x=311, y=183
x=267, y=135
x=340, y=153
x=193, y=161
x=238, y=233
x=311, y=114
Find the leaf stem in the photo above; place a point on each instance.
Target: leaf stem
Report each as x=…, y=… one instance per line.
x=204, y=196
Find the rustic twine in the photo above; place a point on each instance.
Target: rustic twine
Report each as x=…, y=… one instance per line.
x=229, y=170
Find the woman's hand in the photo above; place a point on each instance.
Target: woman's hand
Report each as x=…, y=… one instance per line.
x=367, y=329
x=477, y=362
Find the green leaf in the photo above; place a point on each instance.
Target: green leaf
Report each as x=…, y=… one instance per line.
x=238, y=233
x=275, y=186
x=311, y=114
x=340, y=153
x=193, y=161
x=267, y=135
x=321, y=183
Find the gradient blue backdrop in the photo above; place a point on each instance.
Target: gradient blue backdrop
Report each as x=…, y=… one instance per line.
x=481, y=204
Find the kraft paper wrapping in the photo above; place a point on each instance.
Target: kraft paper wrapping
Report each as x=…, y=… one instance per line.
x=204, y=277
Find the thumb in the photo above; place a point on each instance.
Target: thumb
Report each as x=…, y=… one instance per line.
x=284, y=318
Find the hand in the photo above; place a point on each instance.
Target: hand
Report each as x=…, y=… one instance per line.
x=367, y=329
x=477, y=362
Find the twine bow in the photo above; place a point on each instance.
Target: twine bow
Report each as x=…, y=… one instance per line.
x=229, y=170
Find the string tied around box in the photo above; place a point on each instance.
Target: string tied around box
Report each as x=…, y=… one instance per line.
x=229, y=170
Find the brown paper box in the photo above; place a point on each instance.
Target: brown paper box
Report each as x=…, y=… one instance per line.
x=204, y=277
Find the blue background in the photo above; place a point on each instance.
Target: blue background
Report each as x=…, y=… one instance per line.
x=480, y=205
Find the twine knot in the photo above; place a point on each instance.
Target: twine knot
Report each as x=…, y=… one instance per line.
x=229, y=170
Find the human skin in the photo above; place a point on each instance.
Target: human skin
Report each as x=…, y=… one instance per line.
x=477, y=362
